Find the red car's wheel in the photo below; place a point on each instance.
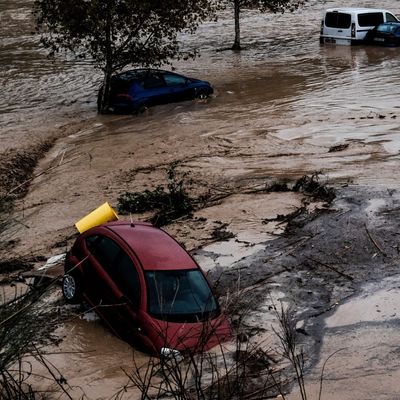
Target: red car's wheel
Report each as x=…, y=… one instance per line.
x=71, y=288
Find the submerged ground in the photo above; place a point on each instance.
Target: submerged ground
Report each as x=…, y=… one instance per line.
x=284, y=107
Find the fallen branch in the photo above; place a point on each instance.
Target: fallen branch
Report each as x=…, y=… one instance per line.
x=331, y=307
x=321, y=378
x=374, y=242
x=350, y=278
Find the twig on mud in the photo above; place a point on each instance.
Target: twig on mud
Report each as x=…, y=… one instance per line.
x=331, y=307
x=50, y=367
x=19, y=222
x=295, y=245
x=342, y=213
x=262, y=390
x=19, y=311
x=299, y=243
x=321, y=378
x=204, y=244
x=259, y=282
x=374, y=242
x=350, y=278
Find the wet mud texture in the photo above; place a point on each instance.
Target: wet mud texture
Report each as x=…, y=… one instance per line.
x=324, y=259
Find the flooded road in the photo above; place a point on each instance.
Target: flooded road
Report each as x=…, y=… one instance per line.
x=279, y=106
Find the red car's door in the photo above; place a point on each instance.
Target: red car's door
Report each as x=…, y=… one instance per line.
x=106, y=284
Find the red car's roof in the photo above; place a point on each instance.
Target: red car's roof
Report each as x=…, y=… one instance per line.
x=155, y=249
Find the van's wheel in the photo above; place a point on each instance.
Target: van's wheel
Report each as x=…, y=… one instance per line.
x=72, y=288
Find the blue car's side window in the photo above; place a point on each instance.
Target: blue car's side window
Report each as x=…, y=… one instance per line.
x=174, y=80
x=153, y=81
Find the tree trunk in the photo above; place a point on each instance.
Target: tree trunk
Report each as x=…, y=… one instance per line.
x=104, y=94
x=236, y=44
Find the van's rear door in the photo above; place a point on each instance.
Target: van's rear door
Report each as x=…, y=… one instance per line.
x=337, y=25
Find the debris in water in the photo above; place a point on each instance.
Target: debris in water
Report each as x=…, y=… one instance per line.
x=338, y=147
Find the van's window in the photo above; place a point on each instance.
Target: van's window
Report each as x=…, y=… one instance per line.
x=370, y=19
x=337, y=20
x=390, y=18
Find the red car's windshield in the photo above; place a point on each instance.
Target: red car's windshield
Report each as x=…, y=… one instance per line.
x=182, y=295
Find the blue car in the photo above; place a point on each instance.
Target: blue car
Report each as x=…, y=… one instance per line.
x=386, y=34
x=134, y=90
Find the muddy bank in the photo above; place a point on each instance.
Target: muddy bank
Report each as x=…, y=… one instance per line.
x=361, y=338
x=323, y=262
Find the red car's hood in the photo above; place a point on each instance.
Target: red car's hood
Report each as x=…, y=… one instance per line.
x=188, y=336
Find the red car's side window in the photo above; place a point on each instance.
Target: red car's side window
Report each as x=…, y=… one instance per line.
x=118, y=265
x=128, y=278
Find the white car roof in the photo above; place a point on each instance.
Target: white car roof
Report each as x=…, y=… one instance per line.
x=356, y=10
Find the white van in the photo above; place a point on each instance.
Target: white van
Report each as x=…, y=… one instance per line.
x=350, y=25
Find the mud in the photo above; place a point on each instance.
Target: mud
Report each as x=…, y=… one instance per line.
x=283, y=108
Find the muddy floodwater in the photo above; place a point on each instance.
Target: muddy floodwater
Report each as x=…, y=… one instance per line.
x=283, y=107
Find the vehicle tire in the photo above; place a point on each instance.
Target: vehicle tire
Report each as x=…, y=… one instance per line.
x=72, y=288
x=140, y=108
x=202, y=95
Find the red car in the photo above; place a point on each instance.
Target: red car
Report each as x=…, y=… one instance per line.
x=145, y=287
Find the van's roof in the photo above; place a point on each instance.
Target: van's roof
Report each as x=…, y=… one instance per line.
x=356, y=10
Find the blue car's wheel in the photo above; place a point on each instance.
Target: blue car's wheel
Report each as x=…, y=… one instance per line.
x=140, y=108
x=202, y=95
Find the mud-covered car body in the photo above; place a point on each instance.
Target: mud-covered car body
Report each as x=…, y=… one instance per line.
x=387, y=34
x=137, y=89
x=145, y=287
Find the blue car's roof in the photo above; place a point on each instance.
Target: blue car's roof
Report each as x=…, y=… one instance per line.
x=137, y=74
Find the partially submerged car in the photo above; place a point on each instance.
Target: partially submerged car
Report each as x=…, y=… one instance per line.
x=386, y=34
x=350, y=25
x=134, y=90
x=145, y=287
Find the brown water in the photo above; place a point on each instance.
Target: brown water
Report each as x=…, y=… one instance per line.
x=278, y=107
x=282, y=81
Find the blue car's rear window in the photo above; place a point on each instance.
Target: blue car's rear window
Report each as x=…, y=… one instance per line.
x=387, y=28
